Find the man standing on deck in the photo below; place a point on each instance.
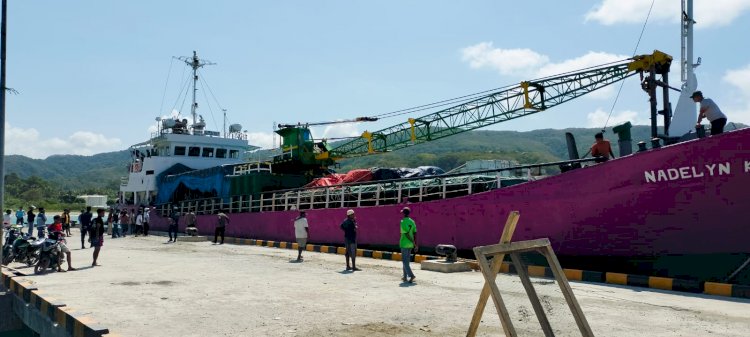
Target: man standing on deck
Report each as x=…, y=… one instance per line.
x=85, y=225
x=97, y=234
x=349, y=226
x=301, y=232
x=408, y=243
x=710, y=111
x=602, y=149
x=221, y=225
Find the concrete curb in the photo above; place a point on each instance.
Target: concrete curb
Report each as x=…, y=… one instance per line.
x=77, y=325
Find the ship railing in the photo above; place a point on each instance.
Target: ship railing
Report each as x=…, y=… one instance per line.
x=374, y=193
x=123, y=181
x=251, y=167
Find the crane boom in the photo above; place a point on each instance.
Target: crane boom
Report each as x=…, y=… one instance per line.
x=527, y=98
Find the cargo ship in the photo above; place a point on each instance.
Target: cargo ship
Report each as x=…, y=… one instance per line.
x=675, y=207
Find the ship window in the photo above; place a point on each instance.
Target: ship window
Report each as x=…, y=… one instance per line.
x=149, y=172
x=179, y=150
x=221, y=153
x=194, y=151
x=208, y=152
x=234, y=154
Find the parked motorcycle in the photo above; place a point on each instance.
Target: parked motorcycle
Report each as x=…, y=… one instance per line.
x=11, y=234
x=50, y=255
x=26, y=250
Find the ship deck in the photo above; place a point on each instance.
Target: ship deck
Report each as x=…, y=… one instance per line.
x=146, y=287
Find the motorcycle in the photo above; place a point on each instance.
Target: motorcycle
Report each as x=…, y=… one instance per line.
x=12, y=233
x=26, y=250
x=50, y=255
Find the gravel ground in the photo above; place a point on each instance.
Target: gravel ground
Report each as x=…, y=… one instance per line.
x=146, y=287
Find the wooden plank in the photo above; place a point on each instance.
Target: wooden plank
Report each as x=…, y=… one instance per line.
x=497, y=262
x=575, y=308
x=516, y=247
x=533, y=297
x=497, y=298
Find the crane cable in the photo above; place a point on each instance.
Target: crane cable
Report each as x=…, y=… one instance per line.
x=634, y=51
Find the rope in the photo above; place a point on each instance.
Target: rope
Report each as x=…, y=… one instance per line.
x=634, y=51
x=164, y=95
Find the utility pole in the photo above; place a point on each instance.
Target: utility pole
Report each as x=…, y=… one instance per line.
x=3, y=35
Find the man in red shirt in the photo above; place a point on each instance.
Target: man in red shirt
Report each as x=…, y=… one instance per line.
x=601, y=149
x=55, y=231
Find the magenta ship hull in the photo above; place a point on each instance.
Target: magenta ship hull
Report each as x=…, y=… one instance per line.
x=685, y=199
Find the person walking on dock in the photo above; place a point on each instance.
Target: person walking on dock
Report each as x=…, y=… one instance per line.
x=301, y=232
x=349, y=226
x=407, y=243
x=146, y=218
x=221, y=225
x=97, y=234
x=139, y=223
x=173, y=224
x=710, y=111
x=85, y=225
x=124, y=223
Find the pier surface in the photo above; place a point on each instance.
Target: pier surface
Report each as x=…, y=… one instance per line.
x=146, y=287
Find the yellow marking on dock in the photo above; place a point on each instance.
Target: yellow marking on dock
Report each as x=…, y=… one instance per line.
x=377, y=254
x=721, y=289
x=573, y=274
x=537, y=271
x=617, y=278
x=664, y=283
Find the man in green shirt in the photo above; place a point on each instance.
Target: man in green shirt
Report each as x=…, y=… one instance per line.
x=408, y=243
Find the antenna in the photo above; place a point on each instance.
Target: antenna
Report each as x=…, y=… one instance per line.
x=195, y=63
x=225, y=122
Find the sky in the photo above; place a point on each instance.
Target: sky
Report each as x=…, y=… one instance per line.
x=91, y=76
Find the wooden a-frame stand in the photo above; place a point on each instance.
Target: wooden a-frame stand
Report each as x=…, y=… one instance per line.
x=490, y=270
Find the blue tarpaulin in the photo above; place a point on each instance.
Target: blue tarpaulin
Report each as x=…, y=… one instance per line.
x=212, y=180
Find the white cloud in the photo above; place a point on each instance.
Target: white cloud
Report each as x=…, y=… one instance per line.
x=707, y=13
x=739, y=110
x=600, y=118
x=337, y=130
x=506, y=61
x=262, y=139
x=529, y=64
x=29, y=143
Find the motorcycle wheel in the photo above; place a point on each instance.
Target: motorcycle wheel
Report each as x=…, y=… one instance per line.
x=32, y=258
x=41, y=266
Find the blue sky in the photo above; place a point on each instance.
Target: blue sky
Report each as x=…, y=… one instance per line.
x=91, y=74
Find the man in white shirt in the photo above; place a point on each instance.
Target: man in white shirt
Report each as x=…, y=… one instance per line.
x=710, y=111
x=301, y=232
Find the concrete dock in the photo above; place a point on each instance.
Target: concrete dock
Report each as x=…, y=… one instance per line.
x=147, y=287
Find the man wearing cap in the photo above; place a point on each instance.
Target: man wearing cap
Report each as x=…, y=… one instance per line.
x=301, y=232
x=408, y=243
x=710, y=111
x=349, y=226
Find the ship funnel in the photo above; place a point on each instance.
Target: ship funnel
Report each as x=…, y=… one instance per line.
x=572, y=149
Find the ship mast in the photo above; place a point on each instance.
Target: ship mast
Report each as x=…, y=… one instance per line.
x=195, y=63
x=685, y=114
